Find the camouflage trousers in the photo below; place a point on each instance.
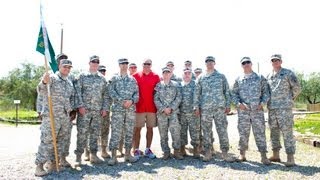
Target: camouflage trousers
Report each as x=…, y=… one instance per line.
x=122, y=122
x=165, y=124
x=88, y=127
x=192, y=122
x=282, y=120
x=68, y=139
x=221, y=123
x=46, y=150
x=254, y=119
x=105, y=129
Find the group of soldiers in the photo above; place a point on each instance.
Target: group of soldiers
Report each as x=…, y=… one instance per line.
x=192, y=102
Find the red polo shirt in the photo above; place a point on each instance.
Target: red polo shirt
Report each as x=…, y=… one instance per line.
x=146, y=83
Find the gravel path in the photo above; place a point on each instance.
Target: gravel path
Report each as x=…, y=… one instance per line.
x=19, y=145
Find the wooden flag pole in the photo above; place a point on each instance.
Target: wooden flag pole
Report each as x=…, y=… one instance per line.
x=53, y=129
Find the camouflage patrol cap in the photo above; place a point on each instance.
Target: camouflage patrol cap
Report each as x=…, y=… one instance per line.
x=123, y=61
x=187, y=70
x=244, y=59
x=132, y=65
x=210, y=58
x=61, y=56
x=65, y=62
x=166, y=69
x=187, y=62
x=170, y=63
x=276, y=56
x=197, y=70
x=102, y=68
x=95, y=58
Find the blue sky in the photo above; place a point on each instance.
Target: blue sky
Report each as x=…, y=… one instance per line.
x=166, y=30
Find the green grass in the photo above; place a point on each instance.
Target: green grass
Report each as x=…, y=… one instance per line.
x=22, y=114
x=310, y=124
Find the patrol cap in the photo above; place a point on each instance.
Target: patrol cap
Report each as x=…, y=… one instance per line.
x=123, y=61
x=95, y=58
x=245, y=59
x=102, y=68
x=187, y=70
x=132, y=65
x=65, y=62
x=170, y=63
x=187, y=62
x=197, y=70
x=276, y=56
x=210, y=58
x=61, y=56
x=166, y=69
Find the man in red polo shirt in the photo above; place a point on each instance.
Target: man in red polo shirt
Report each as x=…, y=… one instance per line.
x=145, y=108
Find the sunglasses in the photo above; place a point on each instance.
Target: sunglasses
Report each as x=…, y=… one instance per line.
x=95, y=61
x=246, y=62
x=102, y=70
x=275, y=60
x=124, y=63
x=147, y=64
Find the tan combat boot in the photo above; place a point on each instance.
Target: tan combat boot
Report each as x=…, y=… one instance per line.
x=78, y=160
x=275, y=157
x=52, y=166
x=40, y=171
x=113, y=159
x=64, y=162
x=264, y=159
x=166, y=155
x=94, y=159
x=290, y=160
x=86, y=154
x=129, y=158
x=227, y=157
x=207, y=156
x=242, y=156
x=183, y=151
x=104, y=152
x=177, y=155
x=196, y=153
x=213, y=152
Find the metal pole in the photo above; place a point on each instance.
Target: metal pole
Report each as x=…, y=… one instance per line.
x=61, y=40
x=17, y=115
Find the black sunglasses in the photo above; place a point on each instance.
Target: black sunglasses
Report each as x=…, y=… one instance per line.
x=275, y=60
x=147, y=64
x=246, y=62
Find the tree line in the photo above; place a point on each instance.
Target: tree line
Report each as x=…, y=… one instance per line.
x=21, y=83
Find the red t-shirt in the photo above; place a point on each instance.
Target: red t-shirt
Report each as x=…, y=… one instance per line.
x=146, y=83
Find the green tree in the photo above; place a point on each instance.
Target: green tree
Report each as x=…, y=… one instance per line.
x=20, y=84
x=310, y=85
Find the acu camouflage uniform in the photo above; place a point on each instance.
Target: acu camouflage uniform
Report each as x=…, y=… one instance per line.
x=122, y=119
x=284, y=88
x=251, y=90
x=92, y=95
x=188, y=119
x=105, y=121
x=168, y=96
x=62, y=95
x=212, y=97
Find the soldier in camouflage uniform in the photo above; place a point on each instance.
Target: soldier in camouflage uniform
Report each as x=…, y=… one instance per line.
x=212, y=100
x=188, y=119
x=105, y=123
x=174, y=77
x=188, y=65
x=124, y=93
x=62, y=94
x=250, y=92
x=167, y=99
x=197, y=72
x=284, y=88
x=92, y=105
